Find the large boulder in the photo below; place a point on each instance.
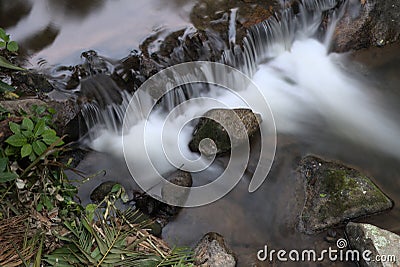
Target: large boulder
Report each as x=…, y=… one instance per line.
x=211, y=251
x=336, y=193
x=210, y=127
x=382, y=244
x=367, y=23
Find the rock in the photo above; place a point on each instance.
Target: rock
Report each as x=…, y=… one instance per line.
x=211, y=251
x=100, y=192
x=15, y=106
x=381, y=243
x=367, y=23
x=163, y=212
x=209, y=128
x=335, y=194
x=173, y=195
x=30, y=83
x=65, y=119
x=216, y=16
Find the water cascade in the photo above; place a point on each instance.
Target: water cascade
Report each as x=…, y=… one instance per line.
x=306, y=87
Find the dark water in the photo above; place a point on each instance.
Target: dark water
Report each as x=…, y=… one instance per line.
x=59, y=31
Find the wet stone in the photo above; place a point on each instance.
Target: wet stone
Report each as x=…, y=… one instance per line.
x=335, y=194
x=241, y=124
x=164, y=212
x=211, y=251
x=100, y=192
x=381, y=243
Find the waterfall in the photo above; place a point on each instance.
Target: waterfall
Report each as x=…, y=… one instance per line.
x=263, y=41
x=288, y=58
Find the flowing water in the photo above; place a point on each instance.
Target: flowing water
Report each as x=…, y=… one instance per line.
x=342, y=107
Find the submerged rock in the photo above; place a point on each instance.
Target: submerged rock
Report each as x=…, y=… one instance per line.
x=100, y=192
x=367, y=23
x=163, y=212
x=382, y=244
x=211, y=251
x=335, y=194
x=171, y=194
x=210, y=128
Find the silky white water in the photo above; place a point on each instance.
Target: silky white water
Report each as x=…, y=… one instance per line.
x=307, y=90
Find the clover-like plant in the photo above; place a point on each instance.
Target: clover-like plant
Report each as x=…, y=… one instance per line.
x=31, y=139
x=5, y=42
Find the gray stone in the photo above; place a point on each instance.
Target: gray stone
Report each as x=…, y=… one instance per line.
x=336, y=193
x=174, y=195
x=381, y=243
x=240, y=125
x=211, y=251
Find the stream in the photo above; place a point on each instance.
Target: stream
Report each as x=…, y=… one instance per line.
x=345, y=111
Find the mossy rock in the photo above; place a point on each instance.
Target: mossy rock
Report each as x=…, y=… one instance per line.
x=210, y=128
x=100, y=192
x=335, y=194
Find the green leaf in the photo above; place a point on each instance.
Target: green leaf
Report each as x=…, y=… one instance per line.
x=16, y=140
x=39, y=147
x=39, y=207
x=3, y=164
x=27, y=124
x=7, y=177
x=47, y=202
x=38, y=258
x=2, y=44
x=116, y=188
x=40, y=127
x=39, y=109
x=6, y=64
x=51, y=138
x=32, y=157
x=51, y=111
x=27, y=134
x=26, y=150
x=90, y=209
x=5, y=87
x=12, y=46
x=11, y=151
x=3, y=35
x=15, y=128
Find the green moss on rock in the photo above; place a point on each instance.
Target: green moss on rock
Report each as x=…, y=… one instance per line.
x=336, y=193
x=238, y=126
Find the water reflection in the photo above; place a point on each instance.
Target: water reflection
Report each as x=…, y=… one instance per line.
x=78, y=9
x=39, y=40
x=11, y=12
x=59, y=31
